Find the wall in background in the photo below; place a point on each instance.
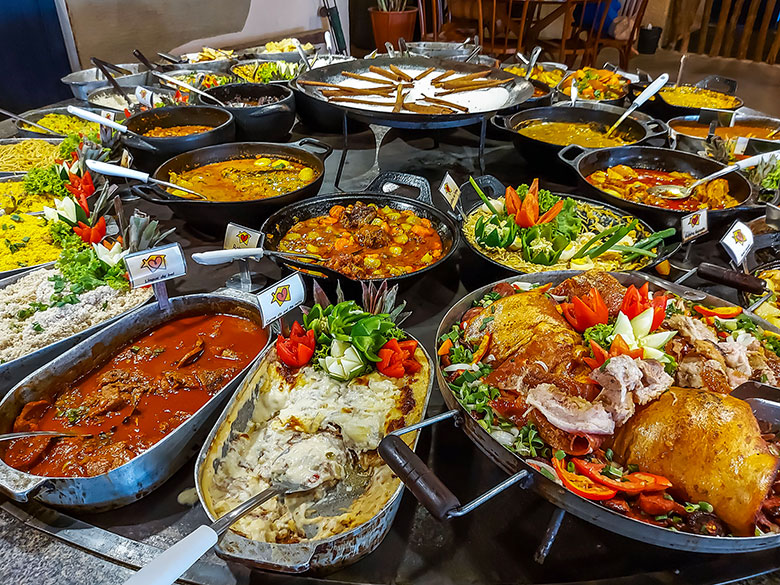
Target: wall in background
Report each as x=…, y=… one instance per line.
x=34, y=57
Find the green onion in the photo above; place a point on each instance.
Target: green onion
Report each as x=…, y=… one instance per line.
x=581, y=252
x=570, y=467
x=560, y=455
x=633, y=468
x=634, y=250
x=546, y=472
x=609, y=454
x=662, y=517
x=482, y=196
x=614, y=239
x=705, y=507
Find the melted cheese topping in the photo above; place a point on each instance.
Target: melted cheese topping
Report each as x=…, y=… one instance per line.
x=309, y=429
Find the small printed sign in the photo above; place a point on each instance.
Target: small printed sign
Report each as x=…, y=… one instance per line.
x=126, y=159
x=737, y=241
x=449, y=188
x=281, y=298
x=694, y=225
x=155, y=265
x=144, y=96
x=238, y=236
x=741, y=145
x=105, y=132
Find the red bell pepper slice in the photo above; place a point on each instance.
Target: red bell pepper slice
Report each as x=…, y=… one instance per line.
x=593, y=469
x=481, y=351
x=552, y=213
x=720, y=312
x=581, y=485
x=586, y=312
x=511, y=201
x=397, y=358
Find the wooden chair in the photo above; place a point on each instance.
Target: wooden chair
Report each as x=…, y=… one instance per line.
x=581, y=21
x=634, y=10
x=465, y=18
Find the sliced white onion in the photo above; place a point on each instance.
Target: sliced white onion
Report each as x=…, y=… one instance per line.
x=506, y=439
x=745, y=338
x=558, y=298
x=539, y=464
x=524, y=286
x=455, y=367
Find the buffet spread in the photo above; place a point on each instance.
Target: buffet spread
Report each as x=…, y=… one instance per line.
x=631, y=401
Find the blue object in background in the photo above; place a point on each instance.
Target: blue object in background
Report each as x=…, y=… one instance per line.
x=593, y=14
x=33, y=55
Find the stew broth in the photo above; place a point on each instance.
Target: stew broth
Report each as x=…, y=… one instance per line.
x=128, y=404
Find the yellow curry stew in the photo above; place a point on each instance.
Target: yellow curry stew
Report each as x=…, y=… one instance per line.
x=686, y=96
x=246, y=179
x=586, y=134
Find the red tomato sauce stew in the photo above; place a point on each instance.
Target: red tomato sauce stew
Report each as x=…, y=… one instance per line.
x=131, y=402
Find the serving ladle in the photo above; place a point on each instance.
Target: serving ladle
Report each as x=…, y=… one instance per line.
x=673, y=192
x=33, y=124
x=131, y=138
x=119, y=171
x=188, y=87
x=649, y=92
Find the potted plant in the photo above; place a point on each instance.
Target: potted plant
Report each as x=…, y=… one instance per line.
x=392, y=19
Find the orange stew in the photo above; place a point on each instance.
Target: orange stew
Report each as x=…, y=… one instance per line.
x=739, y=129
x=632, y=184
x=128, y=404
x=367, y=241
x=161, y=132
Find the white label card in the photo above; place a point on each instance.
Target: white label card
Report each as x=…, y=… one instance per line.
x=238, y=236
x=449, y=188
x=737, y=241
x=694, y=225
x=281, y=298
x=127, y=159
x=155, y=265
x=741, y=145
x=144, y=96
x=105, y=132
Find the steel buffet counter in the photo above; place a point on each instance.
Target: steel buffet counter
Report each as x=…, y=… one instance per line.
x=42, y=546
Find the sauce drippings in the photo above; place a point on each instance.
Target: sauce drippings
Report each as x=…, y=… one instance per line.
x=131, y=402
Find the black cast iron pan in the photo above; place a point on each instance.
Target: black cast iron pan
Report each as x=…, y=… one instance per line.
x=545, y=153
x=380, y=192
x=493, y=188
x=443, y=504
x=584, y=162
x=657, y=106
x=519, y=91
x=211, y=217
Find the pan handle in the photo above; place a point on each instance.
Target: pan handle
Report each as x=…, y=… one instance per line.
x=390, y=178
x=500, y=121
x=569, y=154
x=738, y=280
x=490, y=186
x=140, y=191
x=717, y=83
x=327, y=148
x=20, y=487
x=657, y=129
x=429, y=490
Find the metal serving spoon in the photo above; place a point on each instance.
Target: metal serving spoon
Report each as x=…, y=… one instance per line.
x=574, y=93
x=188, y=87
x=682, y=192
x=214, y=257
x=28, y=434
x=649, y=92
x=33, y=124
x=172, y=563
x=118, y=171
x=529, y=68
x=131, y=138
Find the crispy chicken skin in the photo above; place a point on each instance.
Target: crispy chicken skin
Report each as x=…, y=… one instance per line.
x=709, y=445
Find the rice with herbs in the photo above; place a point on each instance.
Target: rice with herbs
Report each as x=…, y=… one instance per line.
x=25, y=240
x=595, y=219
x=29, y=322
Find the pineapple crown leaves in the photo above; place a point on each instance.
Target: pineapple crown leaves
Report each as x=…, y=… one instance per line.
x=375, y=300
x=103, y=202
x=143, y=232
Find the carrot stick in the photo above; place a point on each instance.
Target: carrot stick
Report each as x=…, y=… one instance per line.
x=552, y=213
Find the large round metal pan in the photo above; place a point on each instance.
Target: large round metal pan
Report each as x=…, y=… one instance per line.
x=493, y=188
x=640, y=131
x=212, y=217
x=519, y=91
x=84, y=81
x=139, y=476
x=584, y=162
x=618, y=101
x=223, y=129
x=658, y=107
x=697, y=144
x=36, y=115
x=325, y=554
x=379, y=193
x=444, y=504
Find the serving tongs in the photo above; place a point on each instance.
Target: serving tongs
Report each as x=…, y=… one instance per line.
x=306, y=262
x=529, y=67
x=131, y=138
x=119, y=171
x=33, y=124
x=762, y=398
x=188, y=87
x=683, y=192
x=172, y=59
x=103, y=66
